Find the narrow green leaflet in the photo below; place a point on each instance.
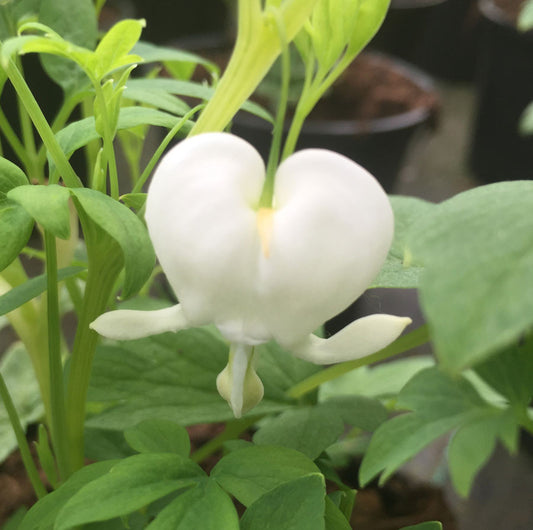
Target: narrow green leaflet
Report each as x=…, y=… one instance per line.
x=15, y=230
x=430, y=525
x=399, y=270
x=476, y=292
x=134, y=200
x=510, y=373
x=130, y=485
x=251, y=472
x=43, y=514
x=293, y=505
x=158, y=99
x=358, y=411
x=80, y=133
x=309, y=430
x=11, y=176
x=75, y=21
x=204, y=507
x=48, y=205
x=46, y=457
x=126, y=229
x=18, y=373
x=35, y=286
x=159, y=436
x=469, y=450
x=334, y=518
x=113, y=50
x=169, y=376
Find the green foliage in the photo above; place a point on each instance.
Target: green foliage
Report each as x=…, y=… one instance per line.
x=158, y=436
x=29, y=290
x=124, y=227
x=133, y=483
x=11, y=176
x=46, y=458
x=440, y=403
x=76, y=22
x=48, y=205
x=251, y=472
x=399, y=270
x=477, y=249
x=432, y=525
x=293, y=505
x=16, y=369
x=525, y=20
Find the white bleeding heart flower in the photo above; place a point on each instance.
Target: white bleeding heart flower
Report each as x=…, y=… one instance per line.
x=262, y=274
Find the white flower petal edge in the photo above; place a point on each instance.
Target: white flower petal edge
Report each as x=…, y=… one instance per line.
x=263, y=274
x=127, y=324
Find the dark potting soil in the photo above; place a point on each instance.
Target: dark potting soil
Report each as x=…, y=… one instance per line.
x=511, y=8
x=371, y=88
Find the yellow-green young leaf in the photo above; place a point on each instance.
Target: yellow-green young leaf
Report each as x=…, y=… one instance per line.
x=112, y=51
x=369, y=18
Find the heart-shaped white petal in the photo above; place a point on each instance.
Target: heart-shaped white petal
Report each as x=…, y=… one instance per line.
x=328, y=235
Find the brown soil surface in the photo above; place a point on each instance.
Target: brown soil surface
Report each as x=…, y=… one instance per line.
x=511, y=8
x=372, y=87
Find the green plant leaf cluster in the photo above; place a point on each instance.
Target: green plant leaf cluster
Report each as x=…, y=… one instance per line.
x=17, y=371
x=439, y=404
x=477, y=251
x=280, y=488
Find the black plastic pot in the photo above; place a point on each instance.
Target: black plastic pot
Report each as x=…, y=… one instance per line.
x=505, y=88
x=439, y=36
x=379, y=144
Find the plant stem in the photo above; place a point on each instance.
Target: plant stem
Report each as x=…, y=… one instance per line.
x=232, y=431
x=406, y=342
x=42, y=126
x=267, y=194
x=57, y=393
x=24, y=448
x=14, y=142
x=162, y=146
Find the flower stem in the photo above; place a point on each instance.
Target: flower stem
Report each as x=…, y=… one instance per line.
x=232, y=431
x=57, y=393
x=42, y=126
x=24, y=448
x=416, y=338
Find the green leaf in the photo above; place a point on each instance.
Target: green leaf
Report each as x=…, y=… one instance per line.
x=399, y=270
x=525, y=20
x=126, y=229
x=14, y=521
x=35, y=286
x=432, y=394
x=75, y=21
x=15, y=230
x=16, y=11
x=103, y=444
x=294, y=505
x=430, y=525
x=251, y=472
x=17, y=370
x=511, y=373
x=358, y=411
x=130, y=485
x=204, y=507
x=477, y=249
x=48, y=205
x=334, y=518
x=112, y=51
x=11, y=176
x=134, y=200
x=159, y=436
x=158, y=99
x=169, y=376
x=380, y=381
x=80, y=133
x=399, y=439
x=470, y=449
x=43, y=514
x=46, y=458
x=309, y=430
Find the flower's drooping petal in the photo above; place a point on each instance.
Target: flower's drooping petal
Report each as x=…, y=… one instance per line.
x=332, y=228
x=238, y=383
x=201, y=216
x=127, y=324
x=362, y=337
